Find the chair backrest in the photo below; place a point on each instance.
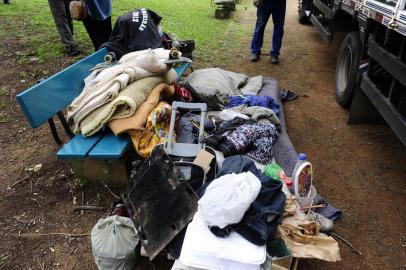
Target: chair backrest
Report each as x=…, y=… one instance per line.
x=44, y=100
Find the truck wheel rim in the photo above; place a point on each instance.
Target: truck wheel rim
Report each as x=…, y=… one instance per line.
x=344, y=70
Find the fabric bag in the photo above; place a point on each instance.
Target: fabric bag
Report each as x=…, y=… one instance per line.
x=78, y=10
x=257, y=3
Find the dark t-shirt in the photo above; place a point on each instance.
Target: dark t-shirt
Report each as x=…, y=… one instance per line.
x=135, y=31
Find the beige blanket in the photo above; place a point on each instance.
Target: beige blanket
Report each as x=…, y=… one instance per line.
x=104, y=84
x=124, y=105
x=139, y=118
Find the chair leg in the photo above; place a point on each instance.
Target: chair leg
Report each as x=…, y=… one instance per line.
x=65, y=125
x=54, y=131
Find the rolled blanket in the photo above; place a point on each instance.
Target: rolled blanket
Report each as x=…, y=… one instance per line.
x=124, y=105
x=213, y=86
x=139, y=118
x=104, y=84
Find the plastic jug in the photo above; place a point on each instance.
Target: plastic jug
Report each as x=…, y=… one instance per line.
x=300, y=160
x=302, y=177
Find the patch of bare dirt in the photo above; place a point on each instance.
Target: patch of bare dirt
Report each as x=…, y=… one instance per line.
x=360, y=169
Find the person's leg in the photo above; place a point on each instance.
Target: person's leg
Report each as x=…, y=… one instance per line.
x=263, y=13
x=278, y=18
x=99, y=31
x=62, y=25
x=106, y=30
x=68, y=16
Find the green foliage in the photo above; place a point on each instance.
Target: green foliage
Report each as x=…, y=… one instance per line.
x=79, y=183
x=51, y=182
x=30, y=23
x=3, y=92
x=3, y=258
x=4, y=117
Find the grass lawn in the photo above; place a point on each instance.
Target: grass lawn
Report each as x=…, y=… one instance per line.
x=29, y=27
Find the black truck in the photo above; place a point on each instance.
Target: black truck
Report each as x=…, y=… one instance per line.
x=371, y=65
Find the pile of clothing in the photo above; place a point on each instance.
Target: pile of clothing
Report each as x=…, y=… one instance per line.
x=239, y=213
x=128, y=96
x=133, y=95
x=237, y=210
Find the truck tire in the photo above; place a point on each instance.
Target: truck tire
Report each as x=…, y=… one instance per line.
x=347, y=68
x=301, y=15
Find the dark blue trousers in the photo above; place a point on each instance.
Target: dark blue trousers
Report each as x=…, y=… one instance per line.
x=276, y=8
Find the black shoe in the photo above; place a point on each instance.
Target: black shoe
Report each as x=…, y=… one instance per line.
x=6, y=2
x=275, y=60
x=254, y=57
x=72, y=51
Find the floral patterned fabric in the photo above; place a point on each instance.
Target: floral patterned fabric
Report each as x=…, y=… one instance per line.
x=256, y=140
x=155, y=131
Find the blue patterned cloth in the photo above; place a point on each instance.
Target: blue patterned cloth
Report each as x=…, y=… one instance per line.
x=251, y=100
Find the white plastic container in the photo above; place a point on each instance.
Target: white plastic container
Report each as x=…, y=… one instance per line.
x=300, y=160
x=307, y=201
x=303, y=179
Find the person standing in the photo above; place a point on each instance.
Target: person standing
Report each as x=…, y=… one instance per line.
x=63, y=22
x=266, y=8
x=98, y=21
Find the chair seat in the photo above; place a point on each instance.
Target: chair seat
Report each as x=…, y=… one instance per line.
x=110, y=147
x=79, y=146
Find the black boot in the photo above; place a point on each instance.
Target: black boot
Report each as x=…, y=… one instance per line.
x=275, y=60
x=254, y=57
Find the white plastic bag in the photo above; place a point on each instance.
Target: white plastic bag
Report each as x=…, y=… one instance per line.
x=113, y=242
x=228, y=198
x=202, y=249
x=228, y=115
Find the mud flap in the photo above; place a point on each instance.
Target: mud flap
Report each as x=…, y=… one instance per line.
x=362, y=110
x=163, y=203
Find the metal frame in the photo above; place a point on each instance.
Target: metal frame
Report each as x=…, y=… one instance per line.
x=397, y=68
x=65, y=125
x=325, y=33
x=328, y=15
x=396, y=121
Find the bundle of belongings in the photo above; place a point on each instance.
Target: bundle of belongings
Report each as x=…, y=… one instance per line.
x=114, y=92
x=229, y=219
x=209, y=202
x=141, y=29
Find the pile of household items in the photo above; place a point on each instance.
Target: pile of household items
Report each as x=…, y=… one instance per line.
x=218, y=184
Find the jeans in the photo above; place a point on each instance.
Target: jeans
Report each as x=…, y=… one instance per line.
x=63, y=21
x=276, y=8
